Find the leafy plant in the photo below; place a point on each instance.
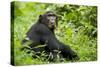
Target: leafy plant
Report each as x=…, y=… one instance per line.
x=77, y=27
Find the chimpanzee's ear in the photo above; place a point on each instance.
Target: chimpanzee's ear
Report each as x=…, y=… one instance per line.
x=40, y=18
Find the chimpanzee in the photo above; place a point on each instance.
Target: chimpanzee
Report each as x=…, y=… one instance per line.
x=42, y=33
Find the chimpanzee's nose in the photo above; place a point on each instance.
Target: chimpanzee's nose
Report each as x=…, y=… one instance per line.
x=52, y=23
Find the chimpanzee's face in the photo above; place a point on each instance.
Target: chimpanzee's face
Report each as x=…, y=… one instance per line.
x=50, y=19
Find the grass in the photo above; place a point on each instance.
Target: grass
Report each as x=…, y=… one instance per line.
x=84, y=45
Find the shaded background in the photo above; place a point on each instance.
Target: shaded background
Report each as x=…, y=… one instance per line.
x=77, y=27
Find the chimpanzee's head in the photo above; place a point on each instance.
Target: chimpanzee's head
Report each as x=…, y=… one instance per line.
x=49, y=19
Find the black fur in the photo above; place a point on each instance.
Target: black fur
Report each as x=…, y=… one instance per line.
x=40, y=34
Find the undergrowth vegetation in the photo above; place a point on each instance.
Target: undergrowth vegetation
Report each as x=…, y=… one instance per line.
x=77, y=27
